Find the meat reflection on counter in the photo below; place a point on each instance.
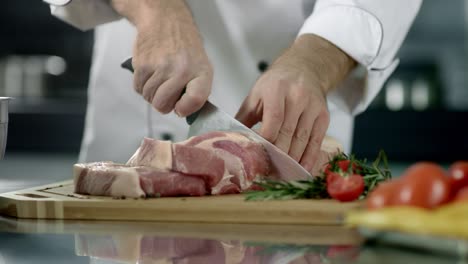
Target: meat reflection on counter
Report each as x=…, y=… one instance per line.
x=151, y=249
x=213, y=163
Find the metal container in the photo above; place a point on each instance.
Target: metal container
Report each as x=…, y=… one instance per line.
x=3, y=124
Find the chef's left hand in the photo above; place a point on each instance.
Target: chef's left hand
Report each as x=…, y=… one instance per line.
x=290, y=98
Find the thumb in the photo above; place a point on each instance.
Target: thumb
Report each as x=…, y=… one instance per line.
x=248, y=114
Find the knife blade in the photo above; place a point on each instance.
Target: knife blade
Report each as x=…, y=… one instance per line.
x=210, y=118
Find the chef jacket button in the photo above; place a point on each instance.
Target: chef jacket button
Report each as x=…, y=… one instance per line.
x=167, y=136
x=262, y=66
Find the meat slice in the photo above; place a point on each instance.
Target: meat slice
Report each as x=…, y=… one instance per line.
x=118, y=180
x=214, y=163
x=252, y=156
x=228, y=161
x=153, y=153
x=107, y=179
x=245, y=160
x=199, y=162
x=179, y=158
x=157, y=183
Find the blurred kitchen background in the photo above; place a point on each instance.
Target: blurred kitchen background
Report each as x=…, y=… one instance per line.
x=421, y=114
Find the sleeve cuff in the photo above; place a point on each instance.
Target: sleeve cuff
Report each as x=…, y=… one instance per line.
x=352, y=29
x=85, y=14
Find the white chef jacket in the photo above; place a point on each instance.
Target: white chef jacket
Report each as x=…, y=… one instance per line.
x=238, y=36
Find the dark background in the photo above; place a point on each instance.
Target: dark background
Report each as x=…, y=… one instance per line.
x=421, y=114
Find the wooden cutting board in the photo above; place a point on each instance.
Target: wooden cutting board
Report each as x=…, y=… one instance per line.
x=57, y=201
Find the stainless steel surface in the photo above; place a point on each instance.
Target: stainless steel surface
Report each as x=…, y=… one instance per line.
x=46, y=241
x=211, y=118
x=127, y=242
x=3, y=124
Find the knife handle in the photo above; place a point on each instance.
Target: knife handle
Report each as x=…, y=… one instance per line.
x=127, y=64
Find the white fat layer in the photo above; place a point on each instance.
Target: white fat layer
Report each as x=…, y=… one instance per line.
x=236, y=167
x=77, y=168
x=226, y=180
x=133, y=159
x=235, y=137
x=163, y=157
x=208, y=144
x=126, y=183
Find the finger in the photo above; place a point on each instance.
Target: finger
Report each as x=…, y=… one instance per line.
x=312, y=150
x=286, y=132
x=273, y=116
x=167, y=94
x=152, y=85
x=196, y=94
x=302, y=135
x=249, y=114
x=141, y=76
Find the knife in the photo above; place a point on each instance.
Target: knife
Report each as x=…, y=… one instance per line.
x=211, y=118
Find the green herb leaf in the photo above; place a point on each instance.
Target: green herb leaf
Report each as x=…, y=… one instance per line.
x=316, y=187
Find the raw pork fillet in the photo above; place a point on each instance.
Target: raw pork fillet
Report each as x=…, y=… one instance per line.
x=117, y=180
x=166, y=156
x=213, y=163
x=229, y=162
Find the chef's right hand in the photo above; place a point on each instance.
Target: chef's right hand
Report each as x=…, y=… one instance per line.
x=168, y=55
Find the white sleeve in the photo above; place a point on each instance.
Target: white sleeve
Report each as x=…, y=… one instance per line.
x=84, y=14
x=369, y=31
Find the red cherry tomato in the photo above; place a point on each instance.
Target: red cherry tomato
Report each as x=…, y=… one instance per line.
x=424, y=185
x=328, y=169
x=331, y=176
x=346, y=188
x=342, y=165
x=345, y=164
x=382, y=195
x=462, y=195
x=458, y=173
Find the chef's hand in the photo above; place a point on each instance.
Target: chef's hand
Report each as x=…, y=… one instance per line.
x=290, y=98
x=168, y=55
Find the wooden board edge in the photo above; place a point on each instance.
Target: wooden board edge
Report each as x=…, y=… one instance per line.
x=60, y=206
x=19, y=203
x=38, y=188
x=8, y=207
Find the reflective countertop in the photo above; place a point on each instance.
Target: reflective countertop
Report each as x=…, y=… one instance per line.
x=57, y=241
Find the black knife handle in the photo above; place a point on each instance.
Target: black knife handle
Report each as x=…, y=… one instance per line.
x=127, y=64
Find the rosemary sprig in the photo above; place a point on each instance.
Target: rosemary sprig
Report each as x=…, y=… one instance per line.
x=286, y=190
x=316, y=188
